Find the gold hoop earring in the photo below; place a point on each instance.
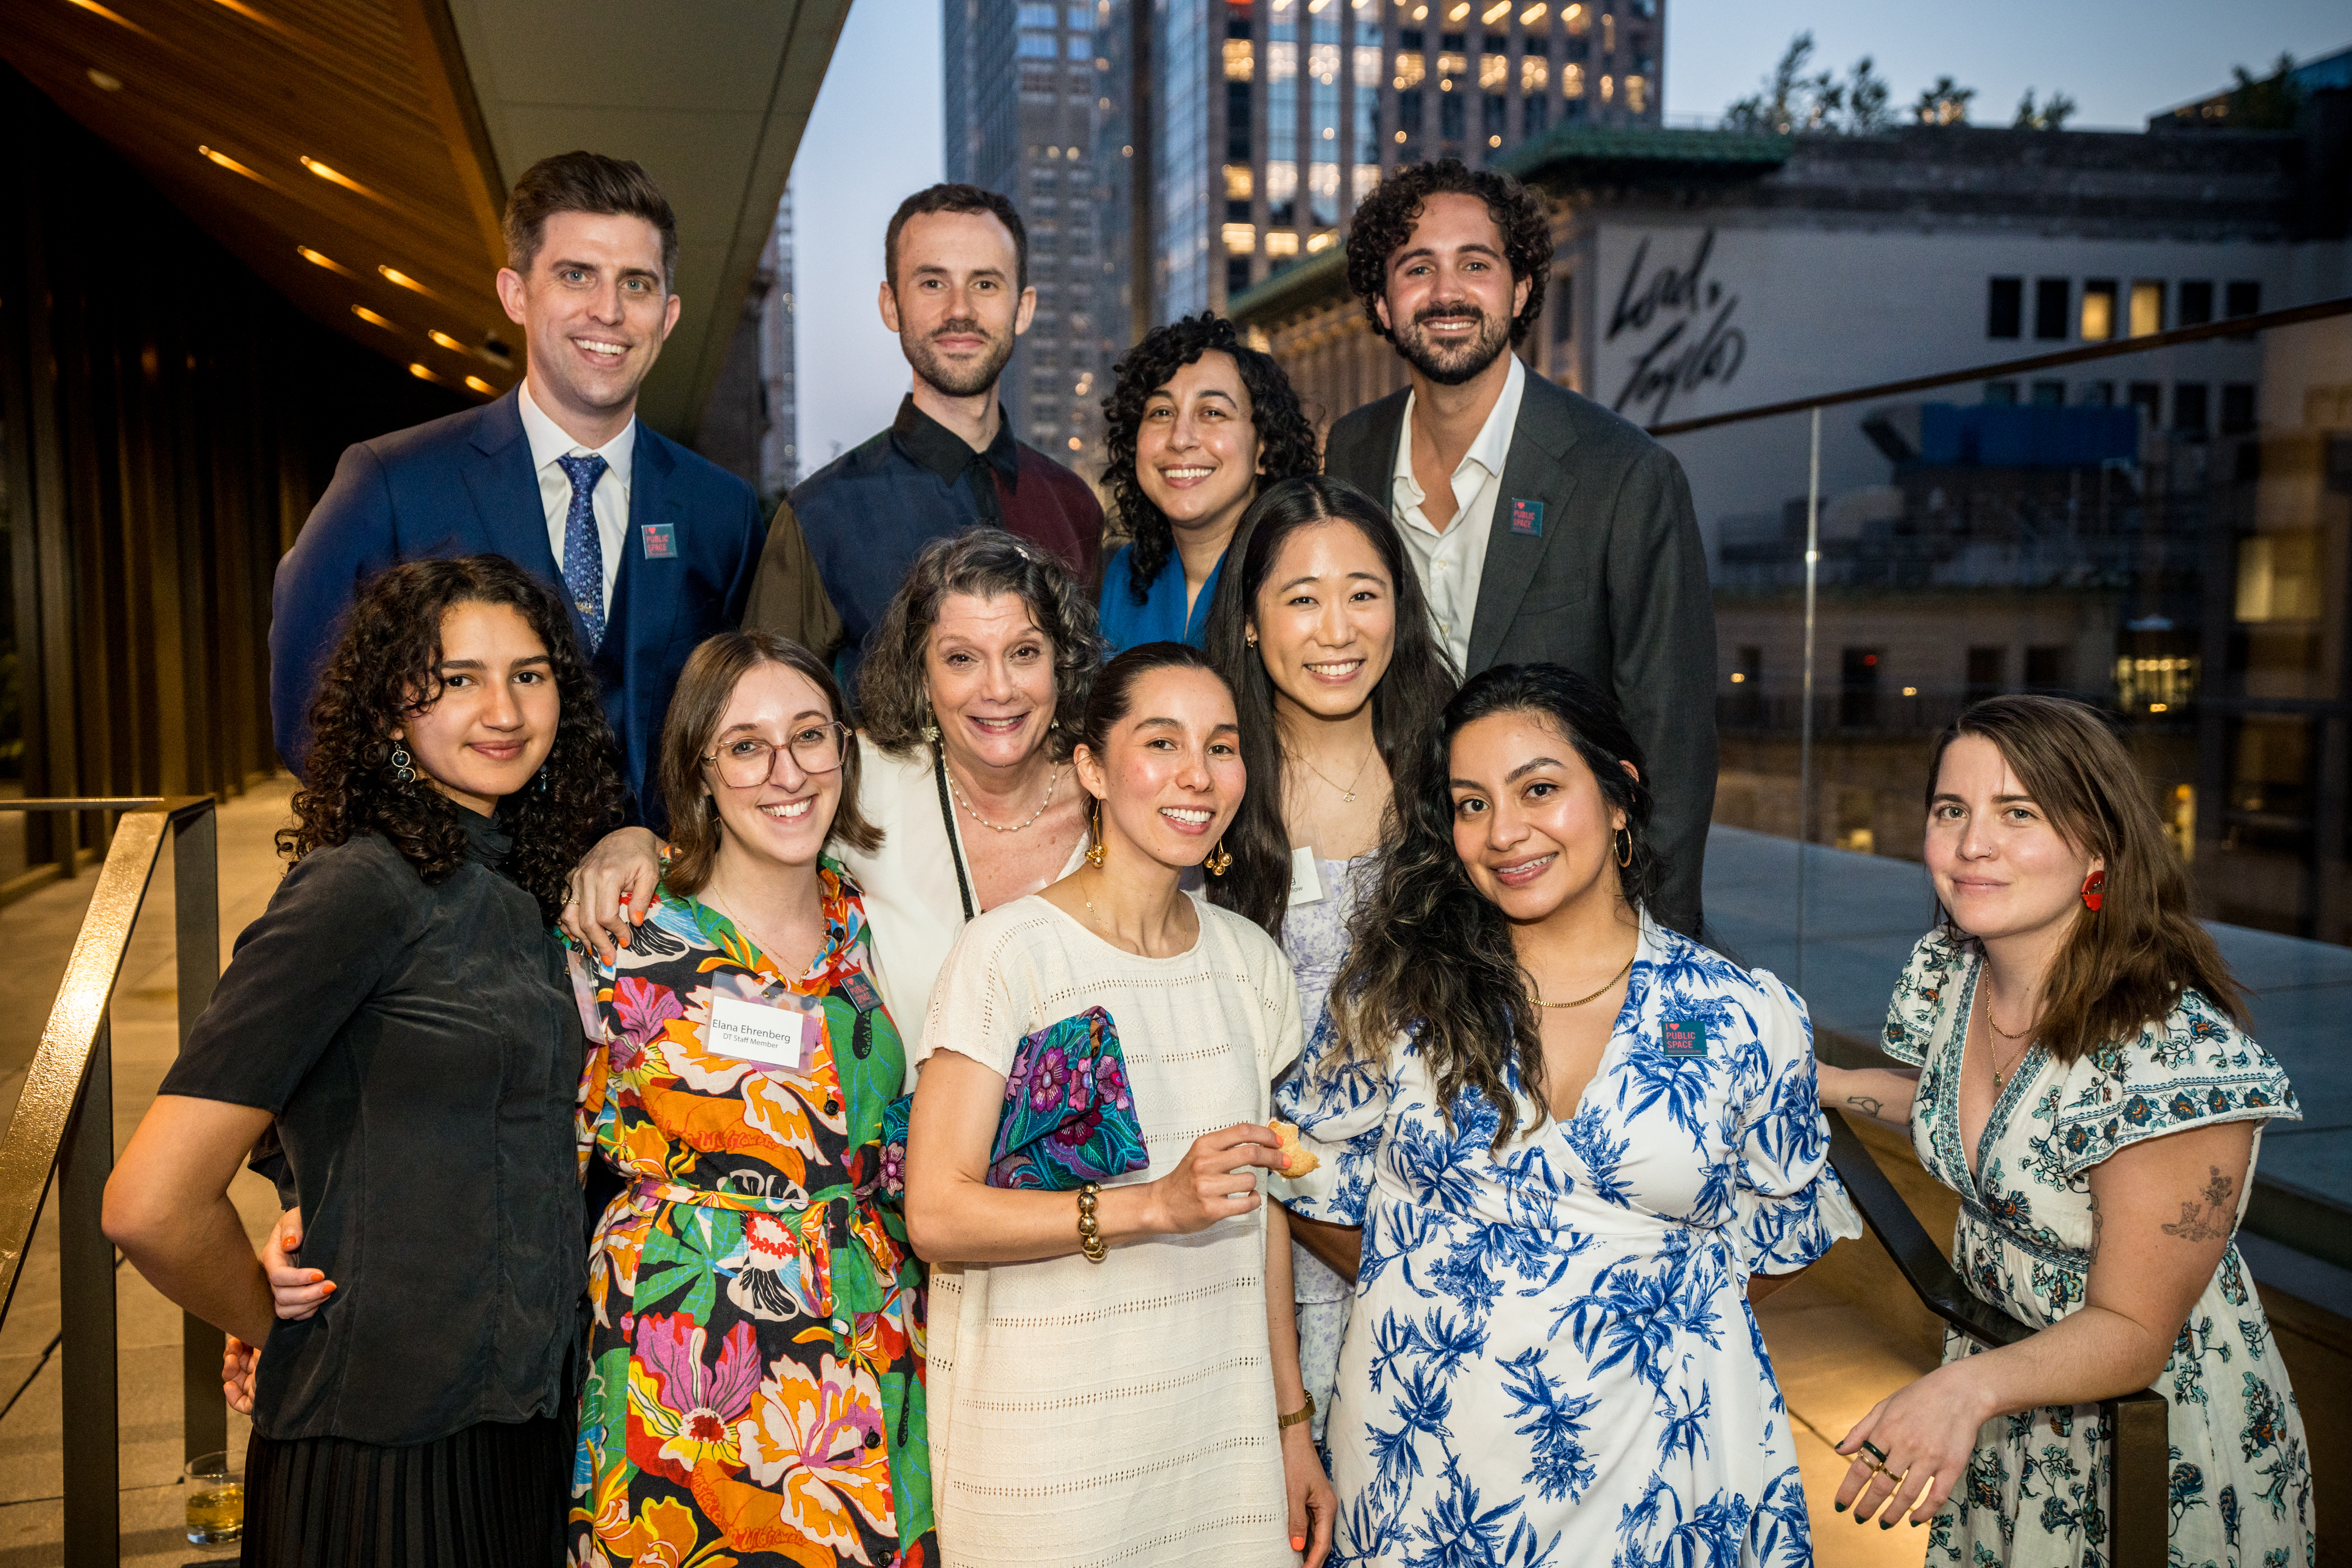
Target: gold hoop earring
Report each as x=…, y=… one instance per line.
x=1625, y=847
x=1097, y=849
x=1218, y=860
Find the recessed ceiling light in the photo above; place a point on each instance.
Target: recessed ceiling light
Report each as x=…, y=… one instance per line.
x=478, y=385
x=445, y=339
x=102, y=81
x=395, y=274
x=423, y=373
x=371, y=318
x=334, y=176
x=231, y=164
x=95, y=9
x=319, y=258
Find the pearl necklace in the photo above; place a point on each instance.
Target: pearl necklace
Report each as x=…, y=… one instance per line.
x=1051, y=784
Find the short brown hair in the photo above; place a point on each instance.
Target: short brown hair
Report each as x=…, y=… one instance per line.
x=586, y=183
x=1385, y=221
x=711, y=674
x=958, y=198
x=987, y=562
x=2126, y=966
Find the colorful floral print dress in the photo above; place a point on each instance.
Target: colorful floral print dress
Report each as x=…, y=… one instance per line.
x=2035, y=1495
x=1552, y=1362
x=755, y=1384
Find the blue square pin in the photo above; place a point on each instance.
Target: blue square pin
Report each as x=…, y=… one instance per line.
x=1527, y=517
x=1685, y=1037
x=661, y=541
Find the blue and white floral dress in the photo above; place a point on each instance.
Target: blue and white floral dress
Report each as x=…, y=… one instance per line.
x=2036, y=1489
x=1552, y=1359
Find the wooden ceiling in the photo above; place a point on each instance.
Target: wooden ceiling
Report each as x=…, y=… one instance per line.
x=350, y=151
x=331, y=145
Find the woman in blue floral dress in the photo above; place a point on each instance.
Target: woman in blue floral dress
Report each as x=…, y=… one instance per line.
x=1578, y=1145
x=2084, y=1085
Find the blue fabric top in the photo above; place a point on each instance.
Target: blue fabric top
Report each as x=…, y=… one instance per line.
x=1161, y=617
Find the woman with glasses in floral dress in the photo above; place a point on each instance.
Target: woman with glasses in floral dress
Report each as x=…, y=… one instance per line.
x=755, y=1384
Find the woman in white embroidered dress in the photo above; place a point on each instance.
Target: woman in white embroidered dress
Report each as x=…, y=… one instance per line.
x=1577, y=1143
x=2084, y=1085
x=1132, y=1397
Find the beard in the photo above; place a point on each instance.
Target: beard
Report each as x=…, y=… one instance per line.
x=969, y=378
x=1451, y=365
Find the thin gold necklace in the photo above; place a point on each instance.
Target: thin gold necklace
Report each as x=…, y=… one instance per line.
x=1347, y=791
x=1607, y=987
x=769, y=947
x=1051, y=783
x=1993, y=1052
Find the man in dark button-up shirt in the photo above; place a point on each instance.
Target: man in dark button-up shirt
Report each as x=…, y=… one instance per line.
x=957, y=294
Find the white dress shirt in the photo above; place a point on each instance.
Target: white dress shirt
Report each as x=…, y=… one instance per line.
x=548, y=442
x=1454, y=560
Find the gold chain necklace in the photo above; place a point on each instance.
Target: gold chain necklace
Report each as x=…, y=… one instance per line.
x=1347, y=791
x=766, y=946
x=1051, y=784
x=1607, y=987
x=1993, y=1052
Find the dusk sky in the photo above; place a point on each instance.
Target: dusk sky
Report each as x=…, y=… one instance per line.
x=875, y=133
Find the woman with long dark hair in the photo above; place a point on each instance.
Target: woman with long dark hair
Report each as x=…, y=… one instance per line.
x=1198, y=420
x=402, y=1013
x=1114, y=1375
x=1323, y=634
x=2080, y=1075
x=1577, y=1143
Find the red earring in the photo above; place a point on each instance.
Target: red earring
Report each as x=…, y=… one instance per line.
x=2094, y=891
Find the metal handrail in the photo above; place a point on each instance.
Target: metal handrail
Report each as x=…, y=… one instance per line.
x=2139, y=1507
x=64, y=1126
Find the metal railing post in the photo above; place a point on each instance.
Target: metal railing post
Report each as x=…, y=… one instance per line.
x=86, y=1320
x=1805, y=733
x=195, y=899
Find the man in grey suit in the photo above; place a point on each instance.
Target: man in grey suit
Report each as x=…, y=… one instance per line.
x=1545, y=527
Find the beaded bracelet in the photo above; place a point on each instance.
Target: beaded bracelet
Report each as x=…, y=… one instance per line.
x=1090, y=1241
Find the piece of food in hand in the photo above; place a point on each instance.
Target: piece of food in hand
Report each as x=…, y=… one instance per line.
x=1296, y=1161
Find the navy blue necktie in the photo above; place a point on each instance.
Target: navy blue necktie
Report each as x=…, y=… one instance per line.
x=583, y=548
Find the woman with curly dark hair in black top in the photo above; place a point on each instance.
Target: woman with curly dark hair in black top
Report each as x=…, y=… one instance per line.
x=1199, y=422
x=401, y=1013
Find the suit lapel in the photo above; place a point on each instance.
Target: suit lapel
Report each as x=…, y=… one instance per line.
x=504, y=492
x=1534, y=469
x=1369, y=463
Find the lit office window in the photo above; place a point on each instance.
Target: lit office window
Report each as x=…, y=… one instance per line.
x=1240, y=59
x=1281, y=62
x=1637, y=94
x=1282, y=242
x=1576, y=21
x=1571, y=79
x=1535, y=73
x=1240, y=238
x=1608, y=88
x=1494, y=69
x=2098, y=310
x=1237, y=182
x=1366, y=176
x=2147, y=309
x=1409, y=71
x=1450, y=65
x=1281, y=180
x=1607, y=35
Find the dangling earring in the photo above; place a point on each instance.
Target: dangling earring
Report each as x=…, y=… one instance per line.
x=1218, y=860
x=538, y=781
x=930, y=731
x=1097, y=849
x=401, y=769
x=1624, y=842
x=2094, y=891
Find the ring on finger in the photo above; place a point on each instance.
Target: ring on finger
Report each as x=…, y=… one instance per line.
x=1875, y=1452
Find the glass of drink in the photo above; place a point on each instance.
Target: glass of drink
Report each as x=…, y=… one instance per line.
x=215, y=1500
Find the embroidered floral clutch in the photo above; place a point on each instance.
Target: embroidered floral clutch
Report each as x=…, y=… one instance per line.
x=1068, y=1118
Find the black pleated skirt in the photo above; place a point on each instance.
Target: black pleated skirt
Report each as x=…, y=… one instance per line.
x=495, y=1495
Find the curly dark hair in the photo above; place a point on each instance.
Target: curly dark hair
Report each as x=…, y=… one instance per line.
x=1384, y=222
x=893, y=694
x=1430, y=956
x=384, y=671
x=1286, y=435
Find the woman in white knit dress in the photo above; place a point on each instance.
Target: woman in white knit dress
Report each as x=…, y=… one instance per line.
x=1133, y=1396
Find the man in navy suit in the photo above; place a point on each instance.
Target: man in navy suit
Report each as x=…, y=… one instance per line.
x=654, y=547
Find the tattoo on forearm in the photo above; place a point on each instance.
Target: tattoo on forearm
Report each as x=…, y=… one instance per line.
x=1863, y=1103
x=2211, y=1217
x=2098, y=1227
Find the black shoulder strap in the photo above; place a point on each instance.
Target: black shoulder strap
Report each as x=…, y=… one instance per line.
x=947, y=820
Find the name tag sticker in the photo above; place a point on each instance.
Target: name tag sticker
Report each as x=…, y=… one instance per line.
x=661, y=541
x=1306, y=879
x=782, y=1037
x=1685, y=1037
x=861, y=994
x=1527, y=517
